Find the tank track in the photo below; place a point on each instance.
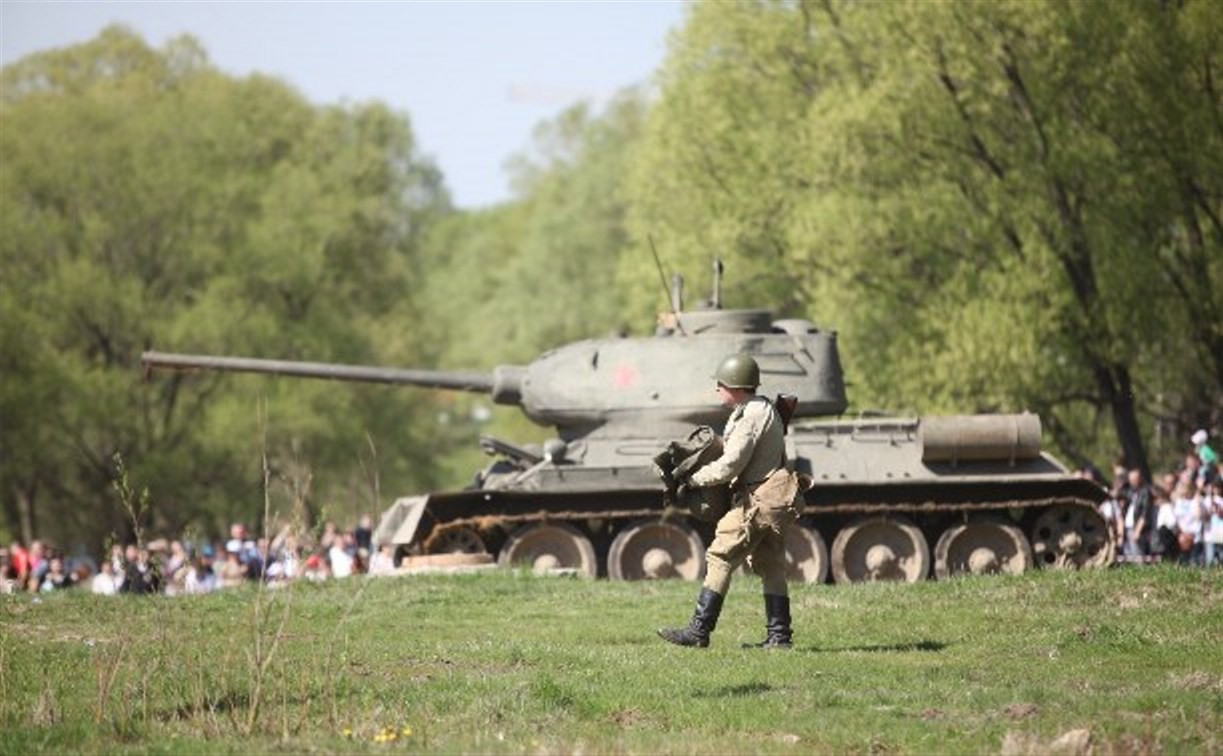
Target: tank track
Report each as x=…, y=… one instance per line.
x=1066, y=530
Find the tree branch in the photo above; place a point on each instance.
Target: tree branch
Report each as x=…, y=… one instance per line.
x=979, y=149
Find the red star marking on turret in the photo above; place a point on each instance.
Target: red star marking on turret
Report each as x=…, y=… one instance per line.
x=624, y=376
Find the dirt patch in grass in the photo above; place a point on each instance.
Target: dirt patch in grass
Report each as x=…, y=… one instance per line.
x=1199, y=680
x=627, y=717
x=1075, y=742
x=1021, y=710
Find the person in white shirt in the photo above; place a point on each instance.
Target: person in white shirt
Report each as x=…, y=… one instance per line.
x=200, y=577
x=1187, y=509
x=341, y=560
x=1212, y=508
x=105, y=583
x=383, y=561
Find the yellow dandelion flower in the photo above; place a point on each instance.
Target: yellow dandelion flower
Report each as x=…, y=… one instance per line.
x=407, y=731
x=347, y=732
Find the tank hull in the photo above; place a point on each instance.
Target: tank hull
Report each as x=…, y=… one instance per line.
x=878, y=508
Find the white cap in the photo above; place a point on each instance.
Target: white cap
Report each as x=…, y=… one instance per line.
x=1199, y=437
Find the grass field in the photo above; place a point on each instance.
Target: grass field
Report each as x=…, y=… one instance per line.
x=507, y=662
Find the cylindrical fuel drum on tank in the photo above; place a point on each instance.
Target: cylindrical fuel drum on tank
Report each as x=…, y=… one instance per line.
x=978, y=438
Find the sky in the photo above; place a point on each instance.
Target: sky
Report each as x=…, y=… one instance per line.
x=474, y=78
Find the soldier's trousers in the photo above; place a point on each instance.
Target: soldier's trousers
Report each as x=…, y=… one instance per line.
x=752, y=532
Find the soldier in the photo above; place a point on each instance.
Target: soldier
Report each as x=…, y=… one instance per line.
x=764, y=501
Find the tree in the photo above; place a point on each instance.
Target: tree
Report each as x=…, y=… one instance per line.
x=1005, y=205
x=723, y=159
x=149, y=200
x=536, y=272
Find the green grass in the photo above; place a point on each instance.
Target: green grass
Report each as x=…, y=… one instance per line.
x=506, y=662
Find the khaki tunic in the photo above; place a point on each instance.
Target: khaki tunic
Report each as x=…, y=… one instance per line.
x=765, y=502
x=753, y=446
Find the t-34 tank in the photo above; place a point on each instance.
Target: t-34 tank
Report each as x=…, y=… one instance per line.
x=897, y=498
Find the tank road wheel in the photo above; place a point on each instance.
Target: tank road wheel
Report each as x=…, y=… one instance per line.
x=806, y=555
x=1071, y=537
x=461, y=540
x=981, y=546
x=880, y=548
x=655, y=549
x=549, y=548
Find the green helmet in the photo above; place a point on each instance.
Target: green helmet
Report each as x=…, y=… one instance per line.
x=738, y=371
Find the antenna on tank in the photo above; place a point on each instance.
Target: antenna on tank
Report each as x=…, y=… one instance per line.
x=716, y=301
x=676, y=301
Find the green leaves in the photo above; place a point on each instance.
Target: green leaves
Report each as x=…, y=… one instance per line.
x=985, y=199
x=508, y=283
x=149, y=200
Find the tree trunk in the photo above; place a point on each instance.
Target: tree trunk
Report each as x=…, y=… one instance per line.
x=24, y=496
x=10, y=522
x=1114, y=383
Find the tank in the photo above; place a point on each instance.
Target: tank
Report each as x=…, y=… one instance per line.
x=891, y=498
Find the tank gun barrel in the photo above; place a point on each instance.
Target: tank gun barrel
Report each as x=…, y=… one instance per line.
x=504, y=384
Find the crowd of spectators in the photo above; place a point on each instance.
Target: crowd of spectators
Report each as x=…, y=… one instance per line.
x=1177, y=517
x=175, y=567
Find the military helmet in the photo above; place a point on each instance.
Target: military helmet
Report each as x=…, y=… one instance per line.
x=738, y=371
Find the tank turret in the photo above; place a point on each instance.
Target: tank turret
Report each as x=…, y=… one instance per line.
x=614, y=388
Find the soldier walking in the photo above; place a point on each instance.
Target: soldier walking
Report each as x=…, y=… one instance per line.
x=764, y=497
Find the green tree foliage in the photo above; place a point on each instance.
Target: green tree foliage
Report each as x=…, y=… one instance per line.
x=1002, y=206
x=724, y=155
x=507, y=283
x=537, y=271
x=148, y=200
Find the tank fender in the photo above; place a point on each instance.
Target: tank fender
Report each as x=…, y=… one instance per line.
x=398, y=524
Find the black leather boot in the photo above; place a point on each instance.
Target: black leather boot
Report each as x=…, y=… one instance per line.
x=704, y=620
x=777, y=623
